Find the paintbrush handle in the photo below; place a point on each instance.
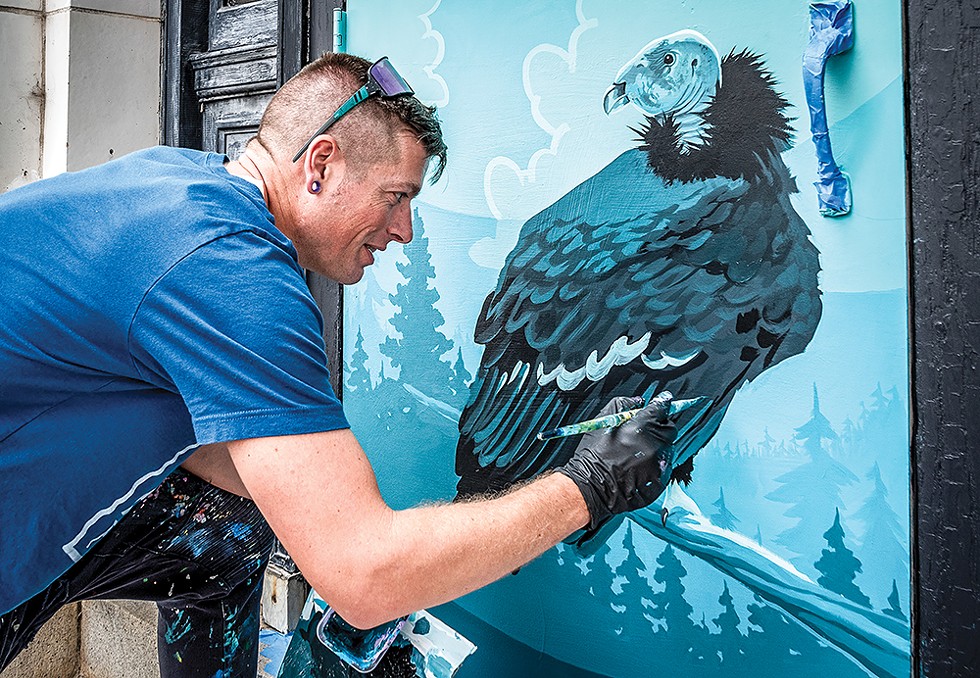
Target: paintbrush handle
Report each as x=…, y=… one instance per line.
x=608, y=421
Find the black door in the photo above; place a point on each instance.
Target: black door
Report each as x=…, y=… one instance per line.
x=223, y=61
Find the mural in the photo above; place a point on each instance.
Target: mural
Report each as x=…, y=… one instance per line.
x=629, y=206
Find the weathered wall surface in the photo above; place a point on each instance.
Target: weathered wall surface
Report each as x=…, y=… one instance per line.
x=943, y=95
x=21, y=91
x=80, y=84
x=101, y=102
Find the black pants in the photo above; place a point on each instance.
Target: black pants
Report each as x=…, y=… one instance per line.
x=199, y=552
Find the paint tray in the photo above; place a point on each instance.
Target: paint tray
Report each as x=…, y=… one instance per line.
x=424, y=648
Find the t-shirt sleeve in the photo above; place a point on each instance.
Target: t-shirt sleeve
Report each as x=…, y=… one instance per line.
x=233, y=329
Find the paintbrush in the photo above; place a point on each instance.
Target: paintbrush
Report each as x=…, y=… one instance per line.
x=617, y=419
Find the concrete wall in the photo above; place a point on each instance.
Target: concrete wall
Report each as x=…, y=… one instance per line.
x=21, y=91
x=102, y=81
x=80, y=84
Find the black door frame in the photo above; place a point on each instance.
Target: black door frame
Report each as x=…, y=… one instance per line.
x=306, y=30
x=942, y=56
x=942, y=104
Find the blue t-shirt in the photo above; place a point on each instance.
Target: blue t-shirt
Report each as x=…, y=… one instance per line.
x=147, y=306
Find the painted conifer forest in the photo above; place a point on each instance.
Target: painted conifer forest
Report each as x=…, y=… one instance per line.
x=817, y=498
x=589, y=240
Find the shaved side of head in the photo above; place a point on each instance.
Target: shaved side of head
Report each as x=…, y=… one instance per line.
x=366, y=133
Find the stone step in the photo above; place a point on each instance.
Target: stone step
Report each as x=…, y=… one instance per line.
x=119, y=638
x=54, y=651
x=112, y=639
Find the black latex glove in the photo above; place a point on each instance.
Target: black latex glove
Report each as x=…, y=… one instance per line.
x=619, y=469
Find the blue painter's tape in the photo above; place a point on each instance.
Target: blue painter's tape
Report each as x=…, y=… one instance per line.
x=831, y=33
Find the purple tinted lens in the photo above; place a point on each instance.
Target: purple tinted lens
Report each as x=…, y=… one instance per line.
x=387, y=77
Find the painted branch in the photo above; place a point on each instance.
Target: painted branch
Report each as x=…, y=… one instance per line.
x=877, y=642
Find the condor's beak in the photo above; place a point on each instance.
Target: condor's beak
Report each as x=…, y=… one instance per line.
x=615, y=97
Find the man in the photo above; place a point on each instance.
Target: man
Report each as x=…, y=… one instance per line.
x=156, y=317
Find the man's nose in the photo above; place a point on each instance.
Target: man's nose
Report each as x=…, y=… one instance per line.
x=401, y=226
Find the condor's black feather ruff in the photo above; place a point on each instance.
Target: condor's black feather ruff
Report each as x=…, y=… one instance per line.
x=744, y=128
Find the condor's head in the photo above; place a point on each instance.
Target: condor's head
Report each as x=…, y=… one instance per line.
x=675, y=76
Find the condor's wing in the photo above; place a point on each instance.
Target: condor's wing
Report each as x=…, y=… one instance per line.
x=607, y=292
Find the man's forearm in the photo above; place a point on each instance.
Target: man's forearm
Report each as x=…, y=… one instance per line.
x=371, y=563
x=434, y=554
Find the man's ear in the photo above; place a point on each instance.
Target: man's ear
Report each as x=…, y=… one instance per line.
x=324, y=163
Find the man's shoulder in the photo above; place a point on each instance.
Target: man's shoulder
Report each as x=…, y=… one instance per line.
x=192, y=193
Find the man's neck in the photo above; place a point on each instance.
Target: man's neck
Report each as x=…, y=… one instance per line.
x=258, y=168
x=246, y=168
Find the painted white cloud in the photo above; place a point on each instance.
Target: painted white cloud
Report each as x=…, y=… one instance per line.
x=417, y=49
x=566, y=103
x=432, y=34
x=492, y=252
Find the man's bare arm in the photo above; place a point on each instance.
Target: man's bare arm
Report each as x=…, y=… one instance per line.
x=213, y=464
x=372, y=563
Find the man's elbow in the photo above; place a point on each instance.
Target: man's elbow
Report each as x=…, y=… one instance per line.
x=363, y=616
x=366, y=599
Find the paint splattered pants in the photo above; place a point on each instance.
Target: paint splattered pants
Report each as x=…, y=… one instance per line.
x=199, y=552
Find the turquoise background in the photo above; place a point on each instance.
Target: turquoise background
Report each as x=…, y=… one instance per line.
x=520, y=90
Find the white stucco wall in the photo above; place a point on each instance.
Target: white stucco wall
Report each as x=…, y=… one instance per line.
x=21, y=91
x=80, y=84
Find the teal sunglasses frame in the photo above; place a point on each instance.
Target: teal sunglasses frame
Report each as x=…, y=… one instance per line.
x=383, y=80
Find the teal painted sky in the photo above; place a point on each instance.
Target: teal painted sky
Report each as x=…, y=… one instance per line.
x=471, y=60
x=520, y=93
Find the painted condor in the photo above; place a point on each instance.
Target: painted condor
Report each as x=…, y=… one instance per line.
x=680, y=266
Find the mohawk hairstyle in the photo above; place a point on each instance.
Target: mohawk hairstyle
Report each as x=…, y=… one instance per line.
x=304, y=102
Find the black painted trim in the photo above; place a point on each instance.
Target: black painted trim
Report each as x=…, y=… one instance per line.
x=185, y=32
x=293, y=37
x=329, y=295
x=943, y=107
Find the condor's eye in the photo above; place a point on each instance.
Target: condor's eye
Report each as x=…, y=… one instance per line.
x=668, y=59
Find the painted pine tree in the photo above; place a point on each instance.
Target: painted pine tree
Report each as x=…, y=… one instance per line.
x=669, y=605
x=723, y=518
x=359, y=377
x=883, y=548
x=885, y=437
x=729, y=641
x=894, y=608
x=418, y=353
x=677, y=635
x=400, y=421
x=768, y=444
x=459, y=383
x=812, y=489
x=878, y=399
x=850, y=437
x=634, y=591
x=838, y=566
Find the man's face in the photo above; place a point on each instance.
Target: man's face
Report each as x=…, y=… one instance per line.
x=371, y=207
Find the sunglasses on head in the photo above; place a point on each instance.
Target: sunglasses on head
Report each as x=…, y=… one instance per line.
x=383, y=80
